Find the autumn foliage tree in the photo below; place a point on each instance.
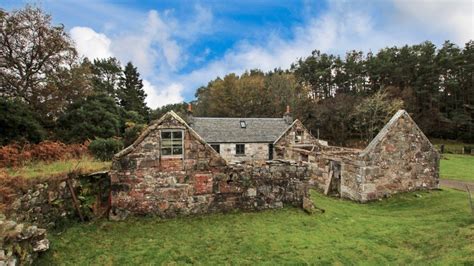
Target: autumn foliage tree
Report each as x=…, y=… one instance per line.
x=39, y=62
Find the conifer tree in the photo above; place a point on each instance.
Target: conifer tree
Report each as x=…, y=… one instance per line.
x=131, y=94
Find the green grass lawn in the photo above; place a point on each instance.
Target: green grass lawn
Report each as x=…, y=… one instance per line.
x=430, y=228
x=42, y=169
x=450, y=146
x=456, y=166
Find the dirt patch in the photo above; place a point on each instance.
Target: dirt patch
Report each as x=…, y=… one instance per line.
x=457, y=184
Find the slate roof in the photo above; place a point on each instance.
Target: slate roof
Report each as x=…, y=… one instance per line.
x=228, y=130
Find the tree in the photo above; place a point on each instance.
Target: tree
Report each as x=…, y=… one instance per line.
x=92, y=117
x=131, y=94
x=107, y=74
x=19, y=123
x=373, y=113
x=34, y=57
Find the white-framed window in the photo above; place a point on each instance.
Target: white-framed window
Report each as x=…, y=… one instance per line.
x=171, y=142
x=298, y=136
x=240, y=149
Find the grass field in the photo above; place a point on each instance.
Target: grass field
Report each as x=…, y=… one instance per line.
x=450, y=146
x=430, y=228
x=42, y=169
x=456, y=166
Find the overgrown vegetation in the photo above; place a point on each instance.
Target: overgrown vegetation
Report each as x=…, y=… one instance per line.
x=433, y=227
x=104, y=149
x=456, y=166
x=85, y=164
x=17, y=155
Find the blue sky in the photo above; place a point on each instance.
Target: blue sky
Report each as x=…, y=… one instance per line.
x=179, y=46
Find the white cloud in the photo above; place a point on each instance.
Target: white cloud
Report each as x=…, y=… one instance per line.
x=440, y=16
x=340, y=29
x=156, y=98
x=158, y=42
x=90, y=43
x=95, y=45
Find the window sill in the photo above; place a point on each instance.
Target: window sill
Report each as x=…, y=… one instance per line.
x=172, y=156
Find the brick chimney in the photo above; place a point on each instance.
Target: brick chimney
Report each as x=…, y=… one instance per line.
x=287, y=116
x=189, y=115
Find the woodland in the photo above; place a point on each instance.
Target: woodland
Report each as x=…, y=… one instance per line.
x=49, y=92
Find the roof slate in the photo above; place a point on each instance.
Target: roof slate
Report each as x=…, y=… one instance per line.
x=228, y=130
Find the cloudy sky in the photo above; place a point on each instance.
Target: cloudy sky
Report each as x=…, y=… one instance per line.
x=179, y=46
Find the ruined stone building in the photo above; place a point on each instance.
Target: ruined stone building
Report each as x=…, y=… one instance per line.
x=400, y=158
x=171, y=170
x=179, y=167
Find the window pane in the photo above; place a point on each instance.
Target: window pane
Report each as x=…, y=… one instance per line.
x=166, y=135
x=166, y=143
x=177, y=150
x=177, y=134
x=166, y=151
x=240, y=148
x=177, y=141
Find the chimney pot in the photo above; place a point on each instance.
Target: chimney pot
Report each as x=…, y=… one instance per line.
x=287, y=116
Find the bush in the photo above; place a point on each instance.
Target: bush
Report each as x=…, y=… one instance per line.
x=15, y=155
x=104, y=149
x=132, y=131
x=95, y=116
x=19, y=123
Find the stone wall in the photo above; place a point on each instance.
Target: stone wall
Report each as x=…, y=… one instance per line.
x=20, y=244
x=253, y=152
x=49, y=202
x=174, y=193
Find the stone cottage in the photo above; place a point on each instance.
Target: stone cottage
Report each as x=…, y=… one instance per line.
x=250, y=139
x=172, y=170
x=400, y=158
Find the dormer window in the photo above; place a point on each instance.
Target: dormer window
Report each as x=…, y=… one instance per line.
x=243, y=124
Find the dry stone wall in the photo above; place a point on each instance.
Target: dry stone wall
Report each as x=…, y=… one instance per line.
x=175, y=193
x=20, y=244
x=49, y=203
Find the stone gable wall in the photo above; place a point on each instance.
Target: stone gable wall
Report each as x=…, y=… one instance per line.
x=403, y=160
x=282, y=145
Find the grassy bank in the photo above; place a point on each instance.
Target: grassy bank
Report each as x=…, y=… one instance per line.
x=431, y=227
x=43, y=169
x=456, y=166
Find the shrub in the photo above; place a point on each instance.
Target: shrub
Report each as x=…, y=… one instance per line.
x=104, y=149
x=95, y=116
x=19, y=123
x=132, y=131
x=15, y=155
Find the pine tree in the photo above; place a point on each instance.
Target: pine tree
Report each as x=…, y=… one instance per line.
x=131, y=94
